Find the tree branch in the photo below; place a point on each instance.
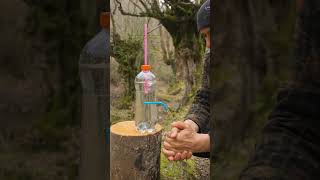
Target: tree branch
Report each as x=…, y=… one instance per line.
x=175, y=11
x=143, y=4
x=141, y=14
x=137, y=6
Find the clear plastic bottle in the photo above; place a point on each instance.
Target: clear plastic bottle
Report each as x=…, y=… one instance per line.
x=94, y=76
x=145, y=114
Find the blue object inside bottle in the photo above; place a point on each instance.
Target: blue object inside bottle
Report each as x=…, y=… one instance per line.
x=145, y=126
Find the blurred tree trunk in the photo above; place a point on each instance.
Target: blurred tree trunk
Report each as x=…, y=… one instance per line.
x=168, y=52
x=187, y=53
x=187, y=59
x=250, y=60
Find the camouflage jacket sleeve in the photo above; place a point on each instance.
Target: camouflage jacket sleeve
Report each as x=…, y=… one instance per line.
x=200, y=109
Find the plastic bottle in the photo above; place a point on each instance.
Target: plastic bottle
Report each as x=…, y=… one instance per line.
x=94, y=75
x=145, y=114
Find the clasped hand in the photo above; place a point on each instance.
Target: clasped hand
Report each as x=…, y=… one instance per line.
x=180, y=142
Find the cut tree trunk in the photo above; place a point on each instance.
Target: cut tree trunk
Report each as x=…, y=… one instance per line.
x=134, y=155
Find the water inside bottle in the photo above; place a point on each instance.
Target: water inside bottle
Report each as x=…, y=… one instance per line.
x=146, y=115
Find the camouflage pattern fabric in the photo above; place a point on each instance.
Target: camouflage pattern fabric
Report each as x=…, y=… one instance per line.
x=200, y=109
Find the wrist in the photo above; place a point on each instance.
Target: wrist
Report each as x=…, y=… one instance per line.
x=202, y=143
x=194, y=125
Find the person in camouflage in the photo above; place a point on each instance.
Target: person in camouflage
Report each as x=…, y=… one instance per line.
x=192, y=135
x=290, y=144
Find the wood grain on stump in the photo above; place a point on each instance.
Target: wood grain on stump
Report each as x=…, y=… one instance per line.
x=134, y=155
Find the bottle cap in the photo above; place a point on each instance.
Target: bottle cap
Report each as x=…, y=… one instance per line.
x=146, y=67
x=105, y=20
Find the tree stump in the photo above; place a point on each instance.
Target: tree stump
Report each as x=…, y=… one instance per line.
x=134, y=155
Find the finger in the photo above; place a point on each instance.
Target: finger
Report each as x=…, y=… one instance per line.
x=174, y=132
x=174, y=144
x=170, y=140
x=168, y=146
x=168, y=153
x=170, y=158
x=184, y=155
x=179, y=124
x=177, y=157
x=189, y=155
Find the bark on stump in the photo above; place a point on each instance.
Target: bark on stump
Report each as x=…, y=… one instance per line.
x=134, y=155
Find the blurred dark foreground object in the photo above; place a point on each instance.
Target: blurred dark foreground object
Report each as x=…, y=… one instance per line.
x=94, y=75
x=290, y=146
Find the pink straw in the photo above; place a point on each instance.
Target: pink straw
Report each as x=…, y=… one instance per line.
x=145, y=85
x=145, y=44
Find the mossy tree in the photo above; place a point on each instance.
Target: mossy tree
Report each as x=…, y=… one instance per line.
x=60, y=30
x=179, y=18
x=127, y=52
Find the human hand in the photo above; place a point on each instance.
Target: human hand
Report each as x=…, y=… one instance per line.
x=183, y=137
x=176, y=156
x=177, y=126
x=171, y=154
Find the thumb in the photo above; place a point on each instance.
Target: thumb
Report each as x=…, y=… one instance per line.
x=174, y=132
x=180, y=125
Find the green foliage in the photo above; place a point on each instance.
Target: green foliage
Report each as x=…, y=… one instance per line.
x=128, y=54
x=237, y=156
x=179, y=19
x=60, y=26
x=176, y=170
x=58, y=29
x=174, y=86
x=126, y=102
x=121, y=115
x=114, y=119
